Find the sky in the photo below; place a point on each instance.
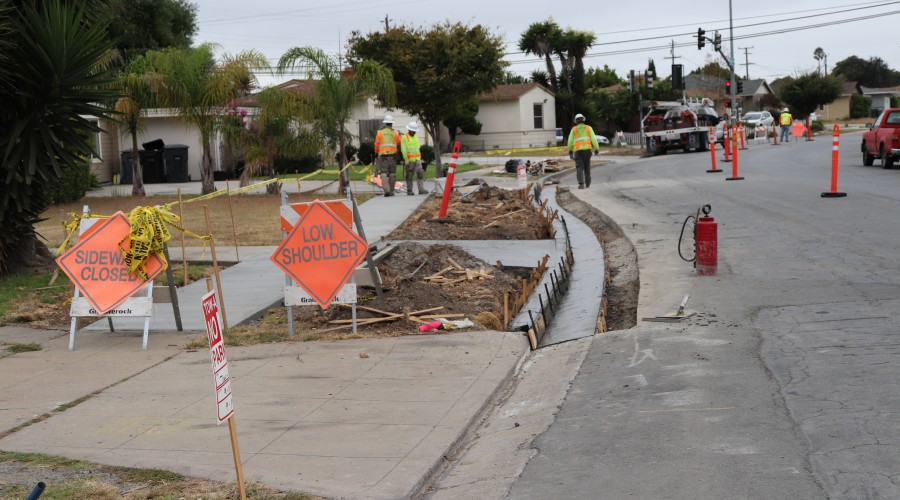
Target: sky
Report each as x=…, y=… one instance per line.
x=776, y=38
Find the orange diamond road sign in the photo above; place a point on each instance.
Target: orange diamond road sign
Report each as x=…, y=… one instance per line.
x=290, y=214
x=320, y=253
x=97, y=268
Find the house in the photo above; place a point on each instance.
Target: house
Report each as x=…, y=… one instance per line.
x=754, y=95
x=840, y=108
x=881, y=97
x=521, y=115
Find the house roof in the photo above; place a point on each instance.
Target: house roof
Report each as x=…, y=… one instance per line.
x=510, y=92
x=880, y=91
x=850, y=88
x=300, y=86
x=751, y=87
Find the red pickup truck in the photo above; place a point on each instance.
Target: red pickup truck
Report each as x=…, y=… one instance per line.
x=882, y=140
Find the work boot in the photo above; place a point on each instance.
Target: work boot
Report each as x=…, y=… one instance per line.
x=424, y=192
x=409, y=193
x=581, y=186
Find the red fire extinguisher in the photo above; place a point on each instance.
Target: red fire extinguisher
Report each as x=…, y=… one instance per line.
x=706, y=242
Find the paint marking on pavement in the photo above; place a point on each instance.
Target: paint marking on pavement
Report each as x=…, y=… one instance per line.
x=687, y=409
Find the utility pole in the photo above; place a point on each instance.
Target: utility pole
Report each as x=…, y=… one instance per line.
x=672, y=52
x=386, y=26
x=731, y=59
x=746, y=62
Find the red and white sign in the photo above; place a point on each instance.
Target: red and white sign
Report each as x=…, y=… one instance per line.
x=224, y=403
x=522, y=175
x=320, y=253
x=97, y=268
x=291, y=214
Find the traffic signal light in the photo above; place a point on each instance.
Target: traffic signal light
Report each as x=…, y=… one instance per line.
x=717, y=42
x=727, y=87
x=631, y=82
x=648, y=79
x=740, y=87
x=727, y=103
x=701, y=42
x=677, y=77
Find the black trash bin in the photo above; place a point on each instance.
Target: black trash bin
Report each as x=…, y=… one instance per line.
x=127, y=173
x=152, y=165
x=177, y=163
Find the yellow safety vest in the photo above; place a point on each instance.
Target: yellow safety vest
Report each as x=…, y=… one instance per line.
x=786, y=118
x=410, y=147
x=582, y=140
x=386, y=142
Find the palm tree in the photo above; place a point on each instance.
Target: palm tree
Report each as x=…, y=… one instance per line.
x=199, y=89
x=138, y=87
x=51, y=85
x=541, y=39
x=575, y=44
x=819, y=55
x=336, y=92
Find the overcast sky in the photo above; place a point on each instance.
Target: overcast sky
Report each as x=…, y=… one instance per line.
x=776, y=38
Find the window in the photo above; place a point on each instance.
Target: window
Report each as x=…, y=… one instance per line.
x=94, y=141
x=539, y=116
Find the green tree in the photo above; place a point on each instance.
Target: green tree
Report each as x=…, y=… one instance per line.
x=199, y=88
x=462, y=120
x=860, y=106
x=819, y=56
x=805, y=93
x=335, y=94
x=713, y=68
x=601, y=78
x=138, y=86
x=541, y=40
x=873, y=72
x=436, y=71
x=50, y=82
x=137, y=26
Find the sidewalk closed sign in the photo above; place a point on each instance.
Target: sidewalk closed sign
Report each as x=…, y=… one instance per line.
x=320, y=253
x=96, y=266
x=224, y=404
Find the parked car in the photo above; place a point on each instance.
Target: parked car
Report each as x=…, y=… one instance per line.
x=720, y=132
x=882, y=140
x=601, y=139
x=757, y=118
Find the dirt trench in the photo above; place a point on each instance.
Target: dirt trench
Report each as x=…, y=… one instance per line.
x=625, y=285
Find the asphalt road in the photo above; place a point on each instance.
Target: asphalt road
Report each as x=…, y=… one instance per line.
x=784, y=385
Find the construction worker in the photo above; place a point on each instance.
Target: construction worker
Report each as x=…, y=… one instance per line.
x=581, y=142
x=412, y=157
x=785, y=120
x=387, y=142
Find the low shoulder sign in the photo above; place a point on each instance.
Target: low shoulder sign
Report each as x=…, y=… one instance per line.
x=320, y=253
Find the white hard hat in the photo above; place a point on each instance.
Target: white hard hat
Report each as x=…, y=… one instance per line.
x=388, y=119
x=412, y=127
x=785, y=110
x=579, y=116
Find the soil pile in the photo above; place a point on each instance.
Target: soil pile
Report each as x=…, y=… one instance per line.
x=477, y=211
x=405, y=286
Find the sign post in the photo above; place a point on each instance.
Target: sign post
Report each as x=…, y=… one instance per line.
x=221, y=377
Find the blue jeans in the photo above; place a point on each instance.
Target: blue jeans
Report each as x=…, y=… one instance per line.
x=785, y=133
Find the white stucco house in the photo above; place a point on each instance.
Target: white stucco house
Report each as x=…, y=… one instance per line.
x=514, y=116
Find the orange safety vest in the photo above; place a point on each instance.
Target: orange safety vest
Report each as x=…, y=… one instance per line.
x=386, y=141
x=583, y=141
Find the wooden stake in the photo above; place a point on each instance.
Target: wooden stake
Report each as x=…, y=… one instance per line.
x=237, y=458
x=183, y=252
x=455, y=264
x=215, y=261
x=508, y=213
x=237, y=252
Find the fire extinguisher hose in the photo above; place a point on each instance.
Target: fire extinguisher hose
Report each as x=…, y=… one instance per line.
x=681, y=236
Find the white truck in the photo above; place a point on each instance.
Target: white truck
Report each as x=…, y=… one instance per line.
x=680, y=125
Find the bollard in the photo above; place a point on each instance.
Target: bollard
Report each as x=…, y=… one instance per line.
x=808, y=130
x=726, y=143
x=741, y=125
x=835, y=142
x=734, y=164
x=448, y=184
x=712, y=150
